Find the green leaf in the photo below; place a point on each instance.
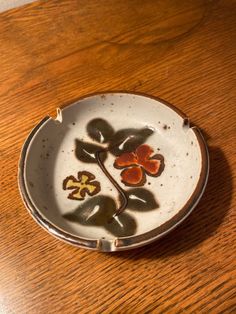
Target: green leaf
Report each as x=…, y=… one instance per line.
x=99, y=211
x=100, y=130
x=141, y=200
x=127, y=140
x=85, y=152
x=122, y=225
x=95, y=211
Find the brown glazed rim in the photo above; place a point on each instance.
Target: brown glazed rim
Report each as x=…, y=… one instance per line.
x=123, y=243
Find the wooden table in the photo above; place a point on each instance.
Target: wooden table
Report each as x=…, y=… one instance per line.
x=51, y=53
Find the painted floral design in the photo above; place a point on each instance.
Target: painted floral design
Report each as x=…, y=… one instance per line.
x=101, y=210
x=81, y=186
x=138, y=164
x=137, y=161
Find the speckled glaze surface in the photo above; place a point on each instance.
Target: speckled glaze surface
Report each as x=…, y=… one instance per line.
x=114, y=171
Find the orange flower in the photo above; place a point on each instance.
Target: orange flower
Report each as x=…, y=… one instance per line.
x=138, y=164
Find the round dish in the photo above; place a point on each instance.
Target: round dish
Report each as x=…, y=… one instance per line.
x=113, y=171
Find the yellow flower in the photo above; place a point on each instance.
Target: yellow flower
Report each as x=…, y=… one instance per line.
x=84, y=184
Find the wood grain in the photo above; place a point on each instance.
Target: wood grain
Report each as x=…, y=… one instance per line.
x=52, y=52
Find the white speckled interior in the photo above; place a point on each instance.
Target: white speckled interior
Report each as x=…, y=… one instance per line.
x=50, y=159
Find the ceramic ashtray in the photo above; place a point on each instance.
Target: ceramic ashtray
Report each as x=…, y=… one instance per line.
x=113, y=171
